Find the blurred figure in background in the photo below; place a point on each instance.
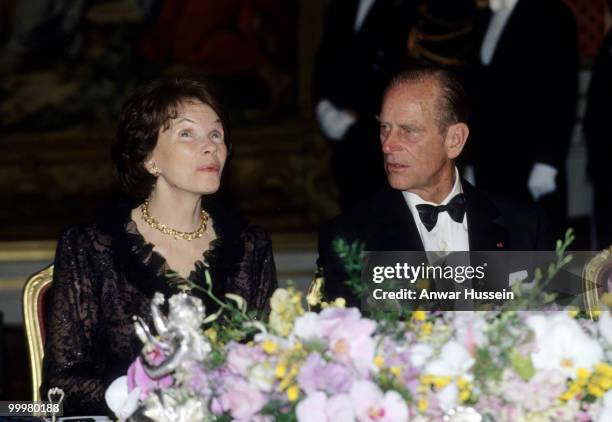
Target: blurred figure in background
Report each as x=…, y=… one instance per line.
x=525, y=93
x=363, y=44
x=228, y=41
x=444, y=34
x=599, y=140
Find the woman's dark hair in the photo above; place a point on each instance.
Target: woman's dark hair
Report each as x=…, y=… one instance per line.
x=145, y=112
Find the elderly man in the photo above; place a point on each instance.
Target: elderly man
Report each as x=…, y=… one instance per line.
x=428, y=207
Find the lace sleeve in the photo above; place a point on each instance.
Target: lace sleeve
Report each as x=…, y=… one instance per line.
x=264, y=280
x=72, y=359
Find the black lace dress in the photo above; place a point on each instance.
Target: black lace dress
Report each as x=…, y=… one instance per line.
x=105, y=273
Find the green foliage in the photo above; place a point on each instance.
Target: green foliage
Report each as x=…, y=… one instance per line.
x=532, y=295
x=230, y=320
x=280, y=411
x=351, y=256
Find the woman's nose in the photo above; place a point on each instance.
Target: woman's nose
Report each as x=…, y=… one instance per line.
x=208, y=146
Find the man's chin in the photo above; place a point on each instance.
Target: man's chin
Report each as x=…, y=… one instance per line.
x=397, y=183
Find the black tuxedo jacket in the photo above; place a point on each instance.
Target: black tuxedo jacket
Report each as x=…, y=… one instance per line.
x=352, y=68
x=525, y=99
x=597, y=117
x=385, y=223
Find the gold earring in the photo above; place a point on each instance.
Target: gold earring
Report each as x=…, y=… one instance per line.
x=155, y=170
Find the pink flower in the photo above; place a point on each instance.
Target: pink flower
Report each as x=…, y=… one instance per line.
x=317, y=407
x=242, y=357
x=316, y=374
x=371, y=405
x=350, y=336
x=242, y=400
x=137, y=377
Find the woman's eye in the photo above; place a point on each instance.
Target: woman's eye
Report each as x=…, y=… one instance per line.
x=216, y=136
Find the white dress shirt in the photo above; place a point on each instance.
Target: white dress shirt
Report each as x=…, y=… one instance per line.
x=501, y=13
x=362, y=11
x=447, y=235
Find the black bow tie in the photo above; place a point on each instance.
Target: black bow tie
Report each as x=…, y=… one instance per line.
x=429, y=213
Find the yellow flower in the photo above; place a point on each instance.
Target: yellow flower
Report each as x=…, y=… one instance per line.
x=464, y=395
x=462, y=383
x=281, y=370
x=596, y=311
x=573, y=390
x=379, y=361
x=604, y=369
x=211, y=333
x=419, y=315
x=396, y=371
x=339, y=302
x=427, y=328
x=293, y=393
x=286, y=306
x=438, y=382
x=269, y=346
x=422, y=404
x=582, y=373
x=294, y=370
x=604, y=383
x=596, y=391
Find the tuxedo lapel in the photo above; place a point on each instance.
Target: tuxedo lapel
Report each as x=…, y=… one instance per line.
x=484, y=233
x=372, y=19
x=512, y=30
x=394, y=229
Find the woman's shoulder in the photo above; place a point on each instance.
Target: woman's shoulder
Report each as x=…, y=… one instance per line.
x=97, y=232
x=256, y=235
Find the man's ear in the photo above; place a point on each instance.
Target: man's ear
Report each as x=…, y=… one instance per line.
x=456, y=137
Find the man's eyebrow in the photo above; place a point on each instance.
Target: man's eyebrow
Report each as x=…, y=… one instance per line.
x=379, y=119
x=409, y=127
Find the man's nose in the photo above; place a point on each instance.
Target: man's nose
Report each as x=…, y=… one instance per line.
x=389, y=143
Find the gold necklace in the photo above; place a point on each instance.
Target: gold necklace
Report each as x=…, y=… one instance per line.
x=154, y=224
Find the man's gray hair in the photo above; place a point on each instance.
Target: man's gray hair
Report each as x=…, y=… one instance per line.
x=454, y=107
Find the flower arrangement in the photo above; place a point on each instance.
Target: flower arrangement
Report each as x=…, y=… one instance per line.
x=337, y=365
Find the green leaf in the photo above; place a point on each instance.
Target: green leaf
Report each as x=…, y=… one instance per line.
x=522, y=365
x=240, y=302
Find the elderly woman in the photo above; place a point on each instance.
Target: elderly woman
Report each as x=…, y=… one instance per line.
x=171, y=147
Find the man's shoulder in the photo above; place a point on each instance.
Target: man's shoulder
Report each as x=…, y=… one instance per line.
x=525, y=222
x=370, y=211
x=510, y=208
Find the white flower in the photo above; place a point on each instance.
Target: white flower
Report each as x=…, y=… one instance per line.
x=606, y=412
x=306, y=327
x=448, y=397
x=470, y=329
x=122, y=403
x=454, y=361
x=562, y=344
x=420, y=354
x=605, y=326
x=261, y=377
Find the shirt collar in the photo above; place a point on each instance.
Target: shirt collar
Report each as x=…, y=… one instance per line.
x=413, y=199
